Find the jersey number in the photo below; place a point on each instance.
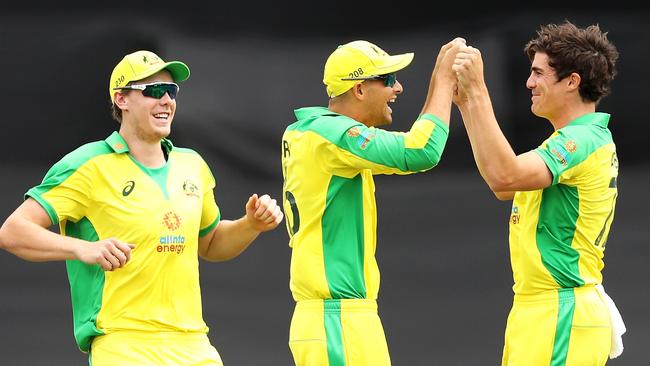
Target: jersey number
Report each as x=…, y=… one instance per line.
x=602, y=239
x=293, y=227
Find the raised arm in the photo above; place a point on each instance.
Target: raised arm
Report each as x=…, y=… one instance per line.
x=500, y=167
x=441, y=84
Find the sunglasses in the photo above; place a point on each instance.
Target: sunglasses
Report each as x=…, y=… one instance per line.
x=155, y=90
x=388, y=79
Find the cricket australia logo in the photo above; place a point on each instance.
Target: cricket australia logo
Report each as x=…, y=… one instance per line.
x=190, y=189
x=150, y=60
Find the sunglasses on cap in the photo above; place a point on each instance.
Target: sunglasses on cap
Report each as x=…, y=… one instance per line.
x=155, y=90
x=389, y=79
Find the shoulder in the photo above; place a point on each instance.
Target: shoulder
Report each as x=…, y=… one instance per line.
x=585, y=139
x=77, y=160
x=188, y=155
x=185, y=150
x=190, y=159
x=332, y=127
x=83, y=154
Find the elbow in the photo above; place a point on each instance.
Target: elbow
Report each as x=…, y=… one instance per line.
x=5, y=243
x=500, y=183
x=212, y=259
x=207, y=255
x=496, y=187
x=5, y=238
x=504, y=196
x=434, y=159
x=428, y=161
x=216, y=256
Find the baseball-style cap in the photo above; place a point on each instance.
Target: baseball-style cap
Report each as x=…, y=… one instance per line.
x=141, y=64
x=358, y=59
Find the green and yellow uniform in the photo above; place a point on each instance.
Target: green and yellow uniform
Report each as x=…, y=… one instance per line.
x=557, y=244
x=100, y=191
x=328, y=161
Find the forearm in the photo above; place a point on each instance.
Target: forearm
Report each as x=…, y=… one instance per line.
x=494, y=157
x=439, y=98
x=425, y=143
x=32, y=242
x=230, y=238
x=466, y=116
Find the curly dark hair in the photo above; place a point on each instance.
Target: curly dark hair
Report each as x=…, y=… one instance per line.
x=585, y=51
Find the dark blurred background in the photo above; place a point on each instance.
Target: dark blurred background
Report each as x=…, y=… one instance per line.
x=442, y=236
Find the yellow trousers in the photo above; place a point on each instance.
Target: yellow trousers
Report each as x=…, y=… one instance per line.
x=334, y=332
x=565, y=327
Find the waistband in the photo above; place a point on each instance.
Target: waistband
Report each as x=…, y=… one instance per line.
x=337, y=305
x=118, y=335
x=560, y=294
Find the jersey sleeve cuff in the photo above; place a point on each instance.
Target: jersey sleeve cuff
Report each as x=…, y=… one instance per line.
x=548, y=161
x=439, y=123
x=48, y=208
x=203, y=232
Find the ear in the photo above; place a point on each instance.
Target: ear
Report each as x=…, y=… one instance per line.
x=120, y=101
x=358, y=91
x=573, y=81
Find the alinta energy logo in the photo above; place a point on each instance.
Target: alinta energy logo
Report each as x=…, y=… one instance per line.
x=514, y=216
x=171, y=243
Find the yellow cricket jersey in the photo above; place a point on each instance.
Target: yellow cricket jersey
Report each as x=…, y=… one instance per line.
x=99, y=191
x=558, y=234
x=328, y=161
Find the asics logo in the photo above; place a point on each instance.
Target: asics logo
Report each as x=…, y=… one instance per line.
x=128, y=188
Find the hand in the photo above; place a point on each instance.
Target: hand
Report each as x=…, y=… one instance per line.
x=468, y=66
x=110, y=254
x=460, y=96
x=263, y=213
x=446, y=56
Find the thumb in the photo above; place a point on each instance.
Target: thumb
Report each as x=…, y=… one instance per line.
x=252, y=202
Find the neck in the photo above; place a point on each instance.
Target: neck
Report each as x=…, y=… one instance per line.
x=567, y=115
x=348, y=109
x=148, y=152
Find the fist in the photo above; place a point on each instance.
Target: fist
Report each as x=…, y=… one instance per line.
x=263, y=213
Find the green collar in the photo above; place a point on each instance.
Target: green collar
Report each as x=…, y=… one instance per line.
x=309, y=112
x=596, y=118
x=117, y=143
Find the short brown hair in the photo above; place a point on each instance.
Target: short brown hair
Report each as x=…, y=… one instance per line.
x=116, y=112
x=585, y=51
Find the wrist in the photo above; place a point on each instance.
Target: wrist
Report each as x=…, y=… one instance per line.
x=249, y=223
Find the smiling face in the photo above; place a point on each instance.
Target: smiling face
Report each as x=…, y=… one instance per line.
x=376, y=101
x=149, y=119
x=548, y=93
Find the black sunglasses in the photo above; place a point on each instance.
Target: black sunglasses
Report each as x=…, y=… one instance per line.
x=389, y=79
x=155, y=90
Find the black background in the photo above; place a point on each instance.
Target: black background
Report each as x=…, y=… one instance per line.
x=442, y=237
